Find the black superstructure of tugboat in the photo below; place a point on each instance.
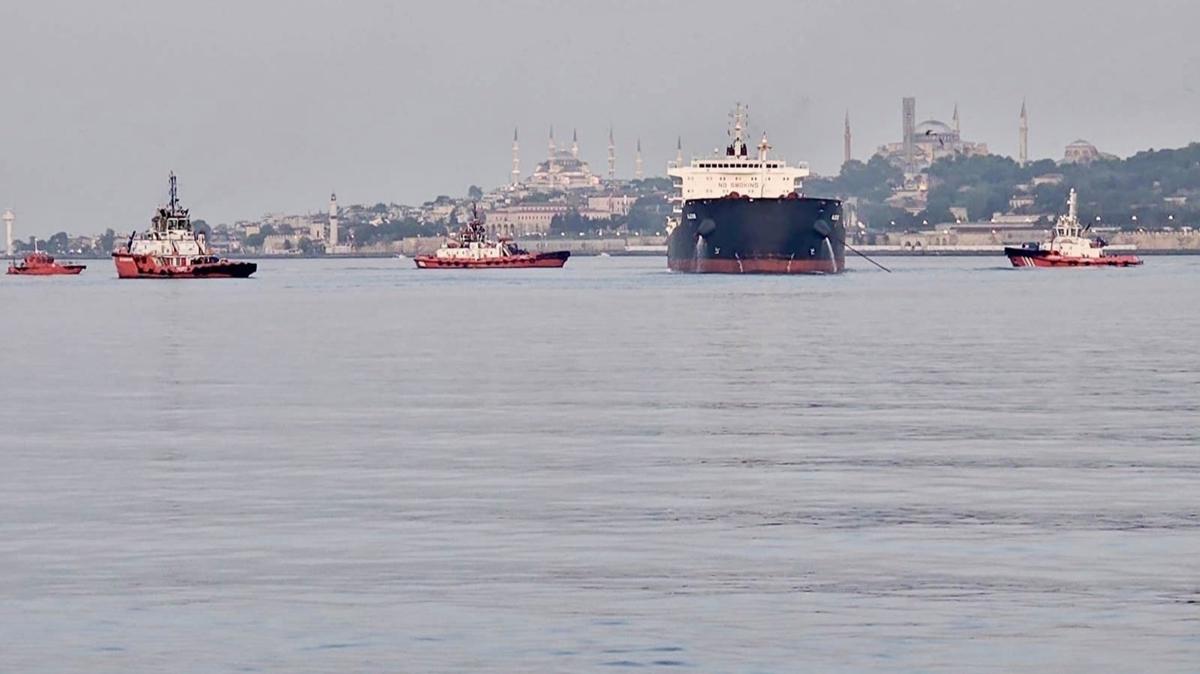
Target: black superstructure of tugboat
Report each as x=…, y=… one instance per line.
x=740, y=214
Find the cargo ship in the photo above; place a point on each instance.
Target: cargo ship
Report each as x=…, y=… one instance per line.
x=1069, y=246
x=171, y=249
x=737, y=213
x=43, y=264
x=470, y=248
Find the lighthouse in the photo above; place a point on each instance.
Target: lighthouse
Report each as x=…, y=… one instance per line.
x=333, y=224
x=8, y=223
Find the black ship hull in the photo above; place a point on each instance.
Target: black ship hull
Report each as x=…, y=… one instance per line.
x=740, y=235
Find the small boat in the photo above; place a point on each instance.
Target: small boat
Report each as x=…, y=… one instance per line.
x=172, y=249
x=1069, y=247
x=471, y=249
x=42, y=264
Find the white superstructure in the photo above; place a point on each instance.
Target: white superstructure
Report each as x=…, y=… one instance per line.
x=735, y=171
x=171, y=237
x=1069, y=239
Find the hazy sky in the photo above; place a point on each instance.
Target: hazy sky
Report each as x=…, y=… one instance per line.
x=265, y=106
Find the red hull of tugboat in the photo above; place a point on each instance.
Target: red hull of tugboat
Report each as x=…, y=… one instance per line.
x=149, y=266
x=42, y=264
x=1025, y=258
x=534, y=261
x=55, y=270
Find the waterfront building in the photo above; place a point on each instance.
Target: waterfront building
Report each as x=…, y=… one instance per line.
x=522, y=219
x=609, y=206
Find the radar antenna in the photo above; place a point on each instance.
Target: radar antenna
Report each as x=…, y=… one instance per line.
x=737, y=147
x=174, y=193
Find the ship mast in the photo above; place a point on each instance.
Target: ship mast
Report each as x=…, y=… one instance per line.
x=738, y=147
x=174, y=193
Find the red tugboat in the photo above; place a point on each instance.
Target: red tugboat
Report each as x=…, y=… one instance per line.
x=42, y=264
x=171, y=249
x=471, y=249
x=1068, y=247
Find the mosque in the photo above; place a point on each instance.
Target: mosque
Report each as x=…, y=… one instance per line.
x=924, y=143
x=1083, y=152
x=561, y=170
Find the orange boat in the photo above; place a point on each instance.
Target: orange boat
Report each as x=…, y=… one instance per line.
x=471, y=249
x=42, y=264
x=172, y=249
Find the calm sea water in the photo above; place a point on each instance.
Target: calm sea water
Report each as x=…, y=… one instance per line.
x=356, y=466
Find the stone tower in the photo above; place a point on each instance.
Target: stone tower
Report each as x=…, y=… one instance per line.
x=908, y=121
x=8, y=240
x=515, y=175
x=1023, y=150
x=846, y=140
x=333, y=223
x=612, y=156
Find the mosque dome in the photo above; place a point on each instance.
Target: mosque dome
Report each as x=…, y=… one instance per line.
x=932, y=127
x=1081, y=152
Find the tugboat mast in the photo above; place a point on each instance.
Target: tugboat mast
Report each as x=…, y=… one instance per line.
x=174, y=193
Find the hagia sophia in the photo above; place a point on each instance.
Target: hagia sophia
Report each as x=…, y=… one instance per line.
x=924, y=143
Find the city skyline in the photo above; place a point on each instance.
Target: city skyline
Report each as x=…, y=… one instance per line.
x=267, y=113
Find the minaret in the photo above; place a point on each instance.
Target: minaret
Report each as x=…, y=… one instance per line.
x=678, y=151
x=333, y=223
x=515, y=176
x=8, y=223
x=957, y=127
x=575, y=143
x=1023, y=151
x=908, y=121
x=846, y=140
x=612, y=156
x=551, y=156
x=637, y=161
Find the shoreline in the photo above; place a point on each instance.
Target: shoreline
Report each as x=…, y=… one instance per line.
x=864, y=249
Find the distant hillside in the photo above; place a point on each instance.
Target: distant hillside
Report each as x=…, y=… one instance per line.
x=1161, y=188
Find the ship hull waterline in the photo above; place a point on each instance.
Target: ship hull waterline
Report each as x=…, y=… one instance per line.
x=59, y=270
x=1021, y=257
x=739, y=235
x=552, y=260
x=131, y=266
